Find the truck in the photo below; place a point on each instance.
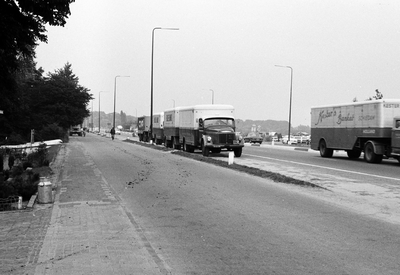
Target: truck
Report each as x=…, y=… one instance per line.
x=209, y=128
x=369, y=127
x=254, y=136
x=144, y=128
x=158, y=128
x=171, y=128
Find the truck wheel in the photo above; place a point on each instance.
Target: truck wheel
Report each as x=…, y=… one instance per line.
x=324, y=151
x=369, y=154
x=205, y=150
x=354, y=154
x=237, y=152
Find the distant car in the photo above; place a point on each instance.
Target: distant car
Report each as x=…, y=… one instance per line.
x=117, y=131
x=76, y=131
x=286, y=140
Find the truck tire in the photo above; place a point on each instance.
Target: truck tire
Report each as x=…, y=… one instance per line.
x=324, y=151
x=354, y=154
x=369, y=154
x=205, y=150
x=238, y=152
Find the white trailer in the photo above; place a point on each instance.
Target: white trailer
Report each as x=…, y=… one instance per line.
x=171, y=128
x=209, y=128
x=158, y=128
x=372, y=127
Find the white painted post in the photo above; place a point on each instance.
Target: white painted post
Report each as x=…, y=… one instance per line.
x=230, y=158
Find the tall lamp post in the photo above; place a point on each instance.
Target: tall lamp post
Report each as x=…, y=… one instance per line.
x=152, y=62
x=290, y=104
x=115, y=94
x=99, y=108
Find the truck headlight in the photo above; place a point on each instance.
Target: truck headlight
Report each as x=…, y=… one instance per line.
x=209, y=139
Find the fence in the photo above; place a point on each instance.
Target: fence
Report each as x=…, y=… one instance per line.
x=11, y=203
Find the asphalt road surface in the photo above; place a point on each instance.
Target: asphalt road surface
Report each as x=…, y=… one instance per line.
x=203, y=219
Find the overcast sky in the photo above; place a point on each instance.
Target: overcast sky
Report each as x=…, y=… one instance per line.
x=338, y=50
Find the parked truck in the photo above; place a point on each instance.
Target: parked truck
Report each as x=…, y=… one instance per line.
x=369, y=127
x=158, y=128
x=209, y=128
x=144, y=128
x=171, y=128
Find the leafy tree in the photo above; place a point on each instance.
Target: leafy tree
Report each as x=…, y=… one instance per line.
x=22, y=25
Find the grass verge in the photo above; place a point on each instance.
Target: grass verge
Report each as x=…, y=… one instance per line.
x=241, y=168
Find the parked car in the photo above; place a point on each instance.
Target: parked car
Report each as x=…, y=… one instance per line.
x=117, y=131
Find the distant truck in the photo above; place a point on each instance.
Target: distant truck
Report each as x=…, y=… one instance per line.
x=254, y=136
x=144, y=128
x=171, y=128
x=372, y=127
x=158, y=128
x=76, y=130
x=209, y=128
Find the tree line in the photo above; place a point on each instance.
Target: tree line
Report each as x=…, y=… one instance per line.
x=30, y=100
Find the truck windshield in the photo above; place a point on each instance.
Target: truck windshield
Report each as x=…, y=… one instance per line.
x=219, y=123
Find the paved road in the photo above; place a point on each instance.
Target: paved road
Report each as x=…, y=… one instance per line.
x=125, y=209
x=202, y=219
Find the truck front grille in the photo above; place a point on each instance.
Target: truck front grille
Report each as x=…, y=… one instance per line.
x=225, y=138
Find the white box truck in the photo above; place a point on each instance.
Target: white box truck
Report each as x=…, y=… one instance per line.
x=209, y=128
x=158, y=128
x=372, y=127
x=171, y=128
x=144, y=128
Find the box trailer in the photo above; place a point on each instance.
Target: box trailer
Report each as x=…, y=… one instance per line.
x=158, y=128
x=209, y=128
x=144, y=128
x=171, y=128
x=369, y=127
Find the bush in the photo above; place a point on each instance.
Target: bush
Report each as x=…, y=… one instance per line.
x=15, y=139
x=51, y=131
x=39, y=158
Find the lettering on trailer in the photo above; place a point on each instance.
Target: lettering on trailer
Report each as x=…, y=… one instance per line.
x=387, y=105
x=324, y=114
x=369, y=131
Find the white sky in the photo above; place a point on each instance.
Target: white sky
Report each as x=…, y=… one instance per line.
x=338, y=50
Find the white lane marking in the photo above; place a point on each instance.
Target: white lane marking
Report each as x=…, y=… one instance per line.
x=325, y=167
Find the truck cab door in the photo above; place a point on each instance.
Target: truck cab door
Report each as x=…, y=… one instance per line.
x=396, y=136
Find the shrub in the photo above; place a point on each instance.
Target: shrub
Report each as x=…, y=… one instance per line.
x=51, y=131
x=39, y=158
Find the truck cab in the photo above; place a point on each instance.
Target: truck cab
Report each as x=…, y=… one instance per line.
x=396, y=137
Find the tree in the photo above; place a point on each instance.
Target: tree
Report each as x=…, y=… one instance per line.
x=23, y=24
x=59, y=99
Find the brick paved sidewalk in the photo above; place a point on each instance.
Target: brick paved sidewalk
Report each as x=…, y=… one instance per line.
x=86, y=231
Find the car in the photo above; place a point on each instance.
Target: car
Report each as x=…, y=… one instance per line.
x=117, y=131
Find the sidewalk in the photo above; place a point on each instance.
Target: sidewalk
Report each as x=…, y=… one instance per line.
x=86, y=231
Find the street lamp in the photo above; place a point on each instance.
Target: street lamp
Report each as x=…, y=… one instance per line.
x=174, y=102
x=115, y=93
x=212, y=96
x=99, y=108
x=152, y=61
x=290, y=104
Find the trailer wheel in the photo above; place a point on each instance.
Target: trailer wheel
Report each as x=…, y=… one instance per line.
x=205, y=150
x=237, y=152
x=354, y=154
x=324, y=151
x=369, y=154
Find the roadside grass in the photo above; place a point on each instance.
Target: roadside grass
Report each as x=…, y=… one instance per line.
x=276, y=177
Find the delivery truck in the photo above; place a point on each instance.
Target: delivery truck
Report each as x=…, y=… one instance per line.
x=209, y=128
x=158, y=128
x=171, y=128
x=368, y=127
x=144, y=128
